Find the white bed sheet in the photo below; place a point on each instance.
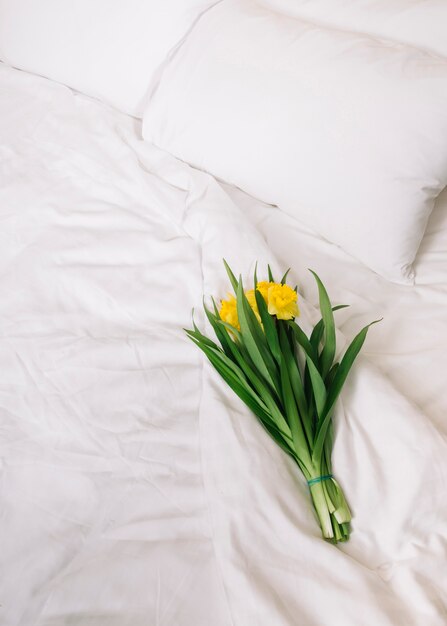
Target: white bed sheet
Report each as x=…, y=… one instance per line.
x=135, y=490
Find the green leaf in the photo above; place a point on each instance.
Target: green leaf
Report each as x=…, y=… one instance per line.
x=315, y=340
x=330, y=377
x=238, y=380
x=231, y=329
x=318, y=387
x=269, y=326
x=258, y=409
x=221, y=334
x=216, y=310
x=255, y=340
x=284, y=278
x=197, y=335
x=293, y=419
x=317, y=333
x=292, y=411
x=224, y=338
x=226, y=366
x=270, y=275
x=231, y=276
x=238, y=354
x=278, y=439
x=346, y=364
x=264, y=391
x=337, y=385
x=304, y=342
x=328, y=353
x=296, y=383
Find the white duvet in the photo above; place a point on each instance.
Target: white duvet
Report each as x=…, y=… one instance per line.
x=135, y=489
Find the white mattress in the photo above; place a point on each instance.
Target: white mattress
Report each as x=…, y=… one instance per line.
x=135, y=490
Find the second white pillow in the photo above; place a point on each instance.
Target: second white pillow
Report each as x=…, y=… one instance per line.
x=345, y=132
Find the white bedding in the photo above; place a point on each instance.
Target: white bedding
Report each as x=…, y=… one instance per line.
x=344, y=132
x=135, y=490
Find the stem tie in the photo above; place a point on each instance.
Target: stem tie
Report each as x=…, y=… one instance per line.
x=319, y=479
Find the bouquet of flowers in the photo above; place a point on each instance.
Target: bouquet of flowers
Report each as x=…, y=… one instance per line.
x=290, y=381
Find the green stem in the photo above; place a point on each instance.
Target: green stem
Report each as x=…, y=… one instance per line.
x=322, y=510
x=332, y=510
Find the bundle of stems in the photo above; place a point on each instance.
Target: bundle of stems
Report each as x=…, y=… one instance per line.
x=290, y=381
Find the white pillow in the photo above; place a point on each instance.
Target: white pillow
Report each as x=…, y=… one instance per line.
x=418, y=23
x=108, y=49
x=344, y=132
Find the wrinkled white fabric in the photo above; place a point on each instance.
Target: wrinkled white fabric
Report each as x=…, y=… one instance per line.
x=112, y=50
x=135, y=489
x=418, y=23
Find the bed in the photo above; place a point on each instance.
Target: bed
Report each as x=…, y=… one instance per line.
x=135, y=489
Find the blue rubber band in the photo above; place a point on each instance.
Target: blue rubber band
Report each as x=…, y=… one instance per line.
x=319, y=479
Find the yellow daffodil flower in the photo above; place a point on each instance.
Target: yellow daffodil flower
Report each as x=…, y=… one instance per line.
x=281, y=301
x=263, y=287
x=228, y=311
